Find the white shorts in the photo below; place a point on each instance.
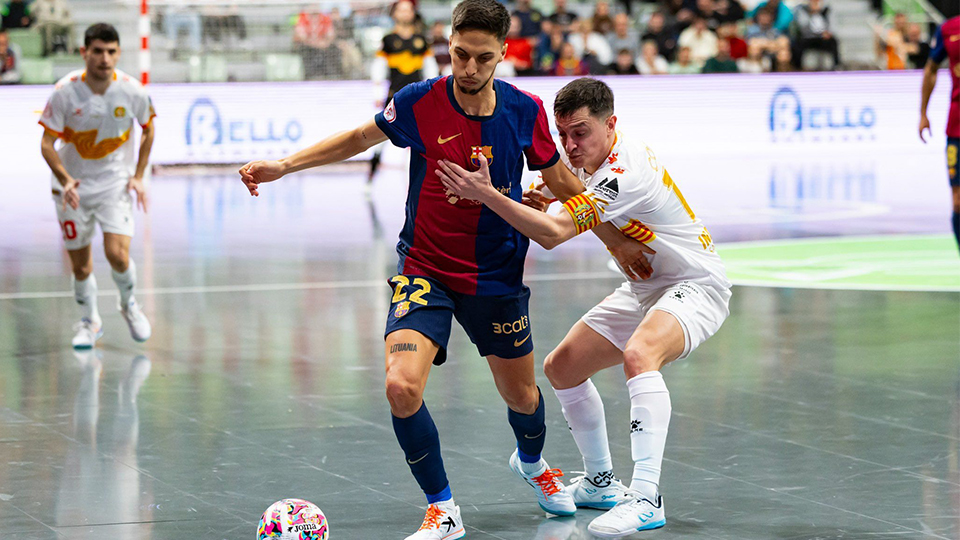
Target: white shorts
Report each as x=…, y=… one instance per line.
x=114, y=213
x=700, y=310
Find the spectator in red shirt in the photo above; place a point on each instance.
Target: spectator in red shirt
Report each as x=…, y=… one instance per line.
x=519, y=49
x=738, y=46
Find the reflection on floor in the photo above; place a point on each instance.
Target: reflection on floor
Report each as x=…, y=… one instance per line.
x=812, y=414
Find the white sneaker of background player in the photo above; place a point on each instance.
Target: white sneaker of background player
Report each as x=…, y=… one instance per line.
x=87, y=333
x=442, y=522
x=139, y=325
x=601, y=492
x=634, y=513
x=546, y=484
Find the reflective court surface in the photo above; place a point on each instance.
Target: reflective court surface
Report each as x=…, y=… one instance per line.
x=827, y=413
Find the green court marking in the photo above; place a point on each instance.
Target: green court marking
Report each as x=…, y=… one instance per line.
x=882, y=263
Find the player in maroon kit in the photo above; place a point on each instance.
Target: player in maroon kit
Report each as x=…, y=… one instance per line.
x=946, y=44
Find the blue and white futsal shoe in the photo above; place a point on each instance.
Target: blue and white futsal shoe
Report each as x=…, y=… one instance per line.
x=635, y=513
x=442, y=522
x=87, y=333
x=601, y=492
x=546, y=484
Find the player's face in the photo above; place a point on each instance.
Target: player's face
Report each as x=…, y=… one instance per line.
x=586, y=139
x=101, y=58
x=474, y=57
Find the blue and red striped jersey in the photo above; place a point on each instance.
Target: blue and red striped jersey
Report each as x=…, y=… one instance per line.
x=946, y=45
x=462, y=243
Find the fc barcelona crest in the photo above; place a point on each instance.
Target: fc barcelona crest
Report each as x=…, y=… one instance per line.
x=402, y=309
x=475, y=152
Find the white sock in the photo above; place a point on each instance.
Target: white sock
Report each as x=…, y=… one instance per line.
x=533, y=469
x=126, y=281
x=649, y=419
x=85, y=293
x=583, y=409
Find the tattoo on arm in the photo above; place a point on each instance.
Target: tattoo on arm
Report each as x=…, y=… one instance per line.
x=403, y=347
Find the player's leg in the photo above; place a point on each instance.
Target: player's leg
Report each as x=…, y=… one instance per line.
x=953, y=169
x=418, y=327
x=569, y=367
x=77, y=226
x=116, y=219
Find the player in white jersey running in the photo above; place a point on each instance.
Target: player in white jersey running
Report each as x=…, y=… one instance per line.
x=644, y=324
x=92, y=112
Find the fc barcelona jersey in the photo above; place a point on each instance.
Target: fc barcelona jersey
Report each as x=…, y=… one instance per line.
x=460, y=242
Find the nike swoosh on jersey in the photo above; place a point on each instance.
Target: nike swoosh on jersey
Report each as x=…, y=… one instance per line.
x=520, y=342
x=441, y=140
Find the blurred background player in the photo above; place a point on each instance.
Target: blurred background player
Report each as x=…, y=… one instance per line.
x=405, y=56
x=946, y=44
x=92, y=112
x=644, y=324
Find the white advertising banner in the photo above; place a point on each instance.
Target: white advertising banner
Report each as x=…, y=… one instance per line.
x=792, y=115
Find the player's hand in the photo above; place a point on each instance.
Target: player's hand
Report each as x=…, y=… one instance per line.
x=463, y=183
x=631, y=256
x=70, y=196
x=536, y=199
x=138, y=187
x=924, y=125
x=257, y=172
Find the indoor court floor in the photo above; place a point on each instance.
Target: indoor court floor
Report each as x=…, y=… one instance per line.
x=825, y=408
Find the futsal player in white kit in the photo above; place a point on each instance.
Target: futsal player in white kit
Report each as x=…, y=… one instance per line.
x=92, y=112
x=644, y=324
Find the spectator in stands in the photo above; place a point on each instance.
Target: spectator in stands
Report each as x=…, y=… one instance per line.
x=602, y=22
x=624, y=64
x=764, y=35
x=783, y=60
x=680, y=13
x=722, y=62
x=590, y=46
x=729, y=11
x=530, y=19
x=891, y=43
x=54, y=24
x=706, y=11
x=519, y=50
x=224, y=26
x=315, y=40
x=568, y=65
x=9, y=60
x=663, y=34
x=650, y=61
x=701, y=40
x=782, y=16
x=738, y=46
x=548, y=51
x=812, y=29
x=440, y=44
x=623, y=37
x=179, y=16
x=684, y=65
x=561, y=17
x=755, y=61
x=15, y=14
x=917, y=49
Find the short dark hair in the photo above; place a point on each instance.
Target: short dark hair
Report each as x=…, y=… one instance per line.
x=595, y=95
x=484, y=15
x=102, y=31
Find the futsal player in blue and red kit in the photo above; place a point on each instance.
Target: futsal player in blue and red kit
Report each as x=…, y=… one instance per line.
x=946, y=44
x=458, y=258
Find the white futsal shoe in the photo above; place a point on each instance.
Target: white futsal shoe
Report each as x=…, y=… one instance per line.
x=139, y=325
x=601, y=492
x=87, y=333
x=635, y=513
x=442, y=522
x=549, y=489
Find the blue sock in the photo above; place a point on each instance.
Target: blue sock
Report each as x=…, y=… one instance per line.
x=530, y=430
x=956, y=226
x=420, y=442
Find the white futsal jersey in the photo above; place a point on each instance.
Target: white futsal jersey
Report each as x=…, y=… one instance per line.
x=634, y=192
x=96, y=131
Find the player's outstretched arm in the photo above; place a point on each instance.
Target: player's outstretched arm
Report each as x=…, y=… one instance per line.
x=929, y=82
x=544, y=229
x=49, y=153
x=627, y=251
x=333, y=149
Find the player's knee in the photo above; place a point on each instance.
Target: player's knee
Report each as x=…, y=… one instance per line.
x=641, y=357
x=118, y=257
x=555, y=368
x=82, y=272
x=404, y=396
x=524, y=399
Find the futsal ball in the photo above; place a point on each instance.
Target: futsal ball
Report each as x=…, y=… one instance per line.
x=293, y=519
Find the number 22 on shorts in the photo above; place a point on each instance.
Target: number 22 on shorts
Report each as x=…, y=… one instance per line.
x=416, y=297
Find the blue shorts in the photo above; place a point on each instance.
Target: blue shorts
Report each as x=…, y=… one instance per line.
x=497, y=325
x=953, y=147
